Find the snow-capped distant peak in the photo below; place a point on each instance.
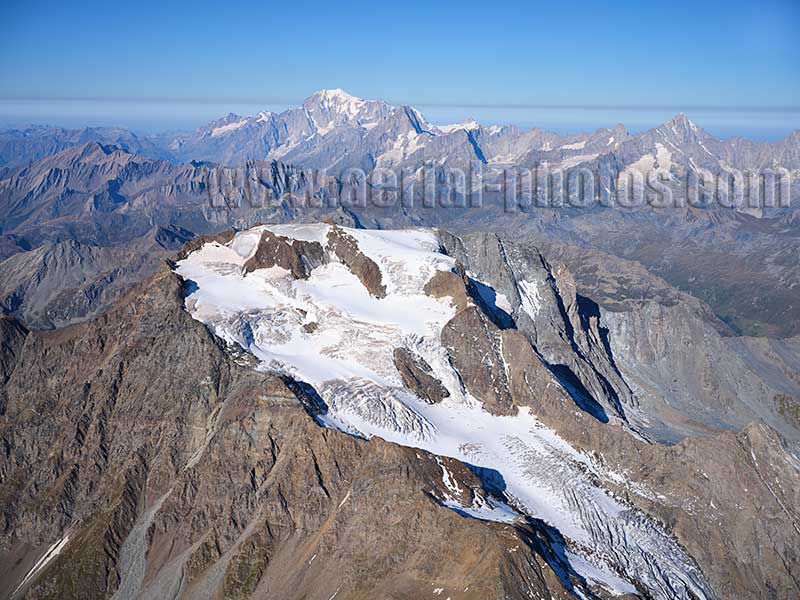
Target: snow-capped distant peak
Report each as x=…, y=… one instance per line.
x=264, y=115
x=336, y=95
x=222, y=130
x=466, y=125
x=328, y=109
x=337, y=100
x=680, y=124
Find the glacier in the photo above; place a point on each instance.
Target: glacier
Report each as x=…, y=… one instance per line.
x=327, y=331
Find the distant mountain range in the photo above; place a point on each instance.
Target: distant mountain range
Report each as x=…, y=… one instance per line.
x=334, y=130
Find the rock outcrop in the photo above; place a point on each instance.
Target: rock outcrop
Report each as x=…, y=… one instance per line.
x=545, y=306
x=418, y=376
x=346, y=249
x=299, y=257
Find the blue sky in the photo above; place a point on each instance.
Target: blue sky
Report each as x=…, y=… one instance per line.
x=562, y=64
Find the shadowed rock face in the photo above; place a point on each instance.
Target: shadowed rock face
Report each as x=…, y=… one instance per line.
x=689, y=374
x=473, y=340
x=296, y=256
x=171, y=468
x=345, y=247
x=12, y=337
x=417, y=376
x=545, y=307
x=732, y=494
x=647, y=351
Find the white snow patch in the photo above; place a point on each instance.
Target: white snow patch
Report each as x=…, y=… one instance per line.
x=531, y=300
x=510, y=158
x=636, y=172
x=661, y=162
x=663, y=158
x=466, y=125
x=224, y=129
x=578, y=159
x=408, y=258
x=576, y=146
x=502, y=303
x=403, y=147
x=48, y=556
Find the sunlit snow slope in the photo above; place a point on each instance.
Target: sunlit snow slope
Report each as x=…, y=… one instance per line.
x=328, y=331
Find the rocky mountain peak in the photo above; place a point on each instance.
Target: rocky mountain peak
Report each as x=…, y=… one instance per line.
x=334, y=96
x=682, y=127
x=95, y=150
x=336, y=106
x=231, y=117
x=620, y=131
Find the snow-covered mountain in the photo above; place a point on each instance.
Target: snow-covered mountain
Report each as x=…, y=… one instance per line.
x=333, y=129
x=386, y=335
x=313, y=134
x=513, y=430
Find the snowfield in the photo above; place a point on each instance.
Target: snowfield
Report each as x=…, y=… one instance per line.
x=329, y=332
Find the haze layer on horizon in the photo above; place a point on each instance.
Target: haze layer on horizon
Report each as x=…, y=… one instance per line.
x=734, y=67
x=154, y=116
